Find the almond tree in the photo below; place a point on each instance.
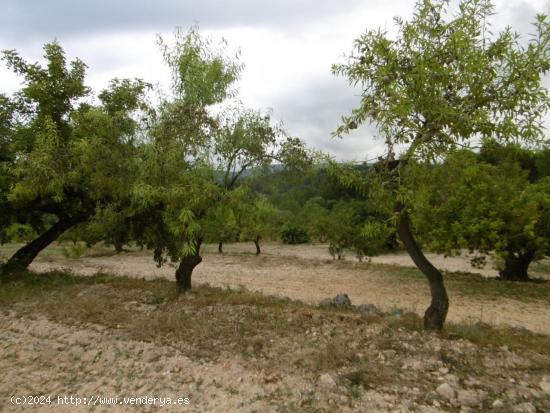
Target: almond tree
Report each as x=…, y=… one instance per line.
x=63, y=159
x=494, y=203
x=442, y=81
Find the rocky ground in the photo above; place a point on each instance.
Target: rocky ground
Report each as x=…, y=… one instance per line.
x=240, y=351
x=307, y=273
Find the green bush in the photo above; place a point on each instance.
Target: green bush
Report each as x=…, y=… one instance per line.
x=294, y=234
x=20, y=233
x=74, y=251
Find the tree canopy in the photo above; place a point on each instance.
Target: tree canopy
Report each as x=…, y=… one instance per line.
x=501, y=207
x=441, y=83
x=195, y=156
x=63, y=158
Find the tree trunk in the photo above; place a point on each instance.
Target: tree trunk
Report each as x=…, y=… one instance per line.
x=434, y=317
x=515, y=267
x=117, y=242
x=257, y=244
x=26, y=254
x=220, y=247
x=185, y=269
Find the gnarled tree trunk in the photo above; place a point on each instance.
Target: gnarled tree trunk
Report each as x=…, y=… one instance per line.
x=434, y=317
x=516, y=265
x=185, y=269
x=26, y=254
x=257, y=244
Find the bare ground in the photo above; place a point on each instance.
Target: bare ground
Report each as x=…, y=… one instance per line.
x=235, y=351
x=307, y=273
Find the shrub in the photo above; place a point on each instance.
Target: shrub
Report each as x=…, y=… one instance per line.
x=20, y=233
x=294, y=234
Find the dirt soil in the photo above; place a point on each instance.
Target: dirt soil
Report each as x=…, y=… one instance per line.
x=285, y=358
x=307, y=273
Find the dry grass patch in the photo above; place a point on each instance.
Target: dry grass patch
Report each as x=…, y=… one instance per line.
x=390, y=354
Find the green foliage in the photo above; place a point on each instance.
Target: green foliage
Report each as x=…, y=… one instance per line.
x=489, y=203
x=245, y=140
x=202, y=75
x=190, y=182
x=221, y=223
x=177, y=198
x=259, y=219
x=20, y=232
x=112, y=224
x=74, y=250
x=443, y=82
x=294, y=234
x=334, y=203
x=352, y=225
x=315, y=217
x=445, y=79
x=65, y=159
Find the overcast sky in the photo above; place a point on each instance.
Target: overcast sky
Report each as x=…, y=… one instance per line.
x=287, y=47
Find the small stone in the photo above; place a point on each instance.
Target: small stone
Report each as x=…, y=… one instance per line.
x=521, y=329
x=425, y=409
x=150, y=356
x=326, y=381
x=452, y=380
x=545, y=386
x=397, y=312
x=446, y=391
x=341, y=300
x=534, y=393
x=468, y=398
x=472, y=382
x=443, y=370
x=369, y=310
x=498, y=404
x=525, y=408
x=76, y=352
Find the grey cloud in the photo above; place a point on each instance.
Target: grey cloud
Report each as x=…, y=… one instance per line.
x=317, y=113
x=523, y=16
x=47, y=19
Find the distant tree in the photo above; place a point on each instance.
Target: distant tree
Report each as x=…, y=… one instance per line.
x=294, y=234
x=343, y=227
x=63, y=159
x=112, y=226
x=315, y=217
x=247, y=142
x=221, y=225
x=353, y=225
x=500, y=208
x=259, y=221
x=441, y=81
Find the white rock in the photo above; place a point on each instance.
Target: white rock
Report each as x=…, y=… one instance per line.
x=446, y=391
x=525, y=408
x=452, y=380
x=545, y=386
x=428, y=409
x=326, y=381
x=468, y=398
x=498, y=404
